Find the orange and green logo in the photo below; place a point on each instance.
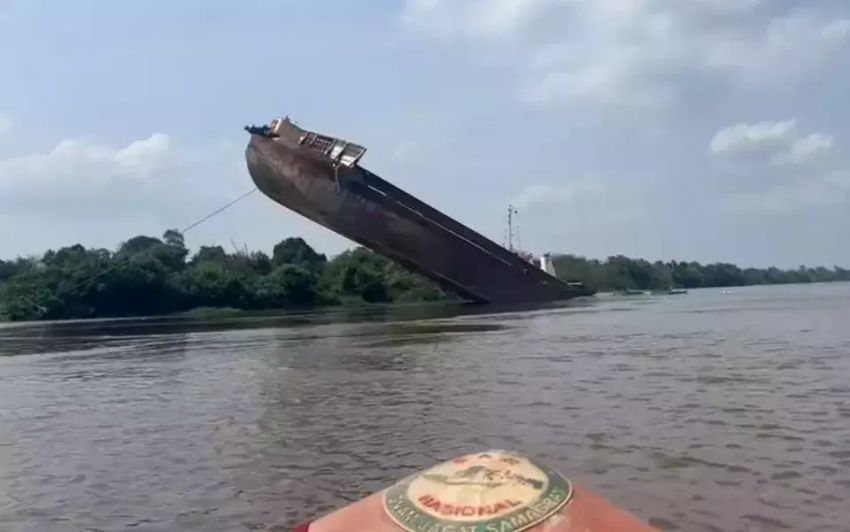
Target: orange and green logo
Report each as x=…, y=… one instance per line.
x=492, y=491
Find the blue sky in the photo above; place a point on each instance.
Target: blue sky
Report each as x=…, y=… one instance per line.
x=708, y=130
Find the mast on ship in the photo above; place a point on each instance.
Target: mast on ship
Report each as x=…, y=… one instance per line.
x=544, y=262
x=509, y=240
x=513, y=231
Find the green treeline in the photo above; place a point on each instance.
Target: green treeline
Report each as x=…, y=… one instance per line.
x=148, y=276
x=619, y=272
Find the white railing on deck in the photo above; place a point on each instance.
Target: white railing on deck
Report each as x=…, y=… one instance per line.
x=339, y=151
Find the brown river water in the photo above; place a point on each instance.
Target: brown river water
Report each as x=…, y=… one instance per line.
x=710, y=411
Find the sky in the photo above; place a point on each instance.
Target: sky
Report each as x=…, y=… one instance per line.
x=709, y=130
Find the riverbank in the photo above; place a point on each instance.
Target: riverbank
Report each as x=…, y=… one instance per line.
x=151, y=276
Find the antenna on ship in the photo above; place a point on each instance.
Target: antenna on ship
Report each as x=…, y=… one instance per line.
x=516, y=232
x=509, y=232
x=512, y=231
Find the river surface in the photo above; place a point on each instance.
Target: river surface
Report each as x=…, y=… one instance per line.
x=710, y=411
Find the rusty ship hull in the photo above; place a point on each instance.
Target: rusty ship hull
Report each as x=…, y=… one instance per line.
x=357, y=204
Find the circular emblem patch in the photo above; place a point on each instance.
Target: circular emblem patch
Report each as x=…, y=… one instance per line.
x=492, y=491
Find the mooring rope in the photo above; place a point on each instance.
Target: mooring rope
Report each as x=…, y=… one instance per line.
x=217, y=211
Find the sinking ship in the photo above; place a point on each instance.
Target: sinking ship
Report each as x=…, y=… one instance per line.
x=320, y=177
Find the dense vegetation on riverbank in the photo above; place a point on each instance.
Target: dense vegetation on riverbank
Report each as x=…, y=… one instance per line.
x=147, y=276
x=617, y=273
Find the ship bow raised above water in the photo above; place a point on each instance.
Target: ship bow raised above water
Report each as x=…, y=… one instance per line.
x=320, y=178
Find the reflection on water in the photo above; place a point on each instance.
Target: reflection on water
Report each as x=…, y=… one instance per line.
x=705, y=412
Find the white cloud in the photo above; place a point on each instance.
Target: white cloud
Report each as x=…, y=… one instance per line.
x=634, y=52
x=615, y=80
x=80, y=163
x=729, y=5
x=796, y=187
x=487, y=19
x=743, y=137
x=807, y=148
x=779, y=142
x=788, y=47
x=593, y=201
x=88, y=176
x=99, y=194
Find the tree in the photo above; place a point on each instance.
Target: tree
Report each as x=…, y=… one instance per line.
x=358, y=273
x=138, y=244
x=211, y=284
x=260, y=263
x=688, y=275
x=29, y=296
x=214, y=254
x=403, y=286
x=9, y=269
x=174, y=252
x=295, y=251
x=722, y=274
x=173, y=237
x=142, y=285
x=288, y=285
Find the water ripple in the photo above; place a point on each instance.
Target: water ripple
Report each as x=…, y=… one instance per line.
x=708, y=412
